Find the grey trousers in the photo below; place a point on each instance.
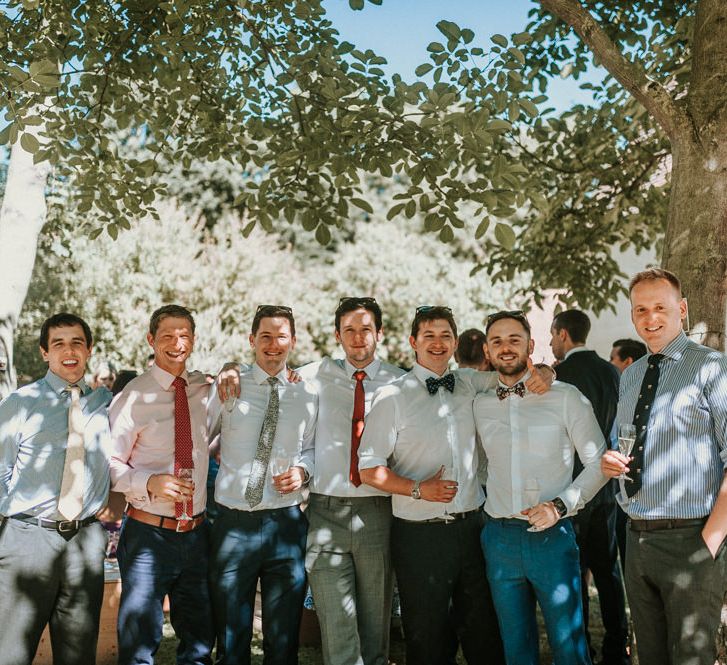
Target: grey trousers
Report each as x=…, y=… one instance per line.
x=48, y=580
x=675, y=590
x=350, y=574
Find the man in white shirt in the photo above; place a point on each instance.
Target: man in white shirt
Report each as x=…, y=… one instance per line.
x=266, y=457
x=419, y=444
x=347, y=559
x=530, y=442
x=159, y=462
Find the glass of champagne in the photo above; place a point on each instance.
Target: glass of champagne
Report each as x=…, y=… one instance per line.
x=448, y=473
x=626, y=440
x=185, y=474
x=280, y=461
x=532, y=496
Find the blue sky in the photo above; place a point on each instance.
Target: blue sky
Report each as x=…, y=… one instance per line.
x=400, y=30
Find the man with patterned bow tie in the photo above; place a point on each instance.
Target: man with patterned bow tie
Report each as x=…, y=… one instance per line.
x=675, y=490
x=54, y=478
x=529, y=545
x=159, y=462
x=419, y=444
x=266, y=458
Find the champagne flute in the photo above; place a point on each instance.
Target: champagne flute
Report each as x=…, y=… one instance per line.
x=626, y=440
x=280, y=461
x=185, y=474
x=448, y=473
x=532, y=496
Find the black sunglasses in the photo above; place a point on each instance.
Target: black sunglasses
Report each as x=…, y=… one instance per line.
x=364, y=302
x=423, y=309
x=267, y=309
x=517, y=314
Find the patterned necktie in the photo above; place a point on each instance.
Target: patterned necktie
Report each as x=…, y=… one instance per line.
x=357, y=425
x=256, y=481
x=518, y=389
x=641, y=421
x=182, y=435
x=70, y=502
x=433, y=384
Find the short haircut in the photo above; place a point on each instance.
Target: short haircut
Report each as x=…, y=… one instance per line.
x=122, y=378
x=61, y=320
x=268, y=311
x=469, y=348
x=515, y=315
x=629, y=348
x=166, y=311
x=432, y=313
x=651, y=274
x=347, y=305
x=575, y=322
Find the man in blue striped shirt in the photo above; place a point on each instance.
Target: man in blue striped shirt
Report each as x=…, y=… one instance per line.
x=674, y=494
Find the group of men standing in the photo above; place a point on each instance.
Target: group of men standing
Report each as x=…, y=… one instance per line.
x=399, y=497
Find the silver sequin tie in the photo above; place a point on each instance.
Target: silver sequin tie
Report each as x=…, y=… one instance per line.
x=256, y=482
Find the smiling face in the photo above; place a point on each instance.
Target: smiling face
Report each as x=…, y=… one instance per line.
x=172, y=344
x=657, y=311
x=272, y=343
x=434, y=345
x=358, y=337
x=508, y=346
x=67, y=352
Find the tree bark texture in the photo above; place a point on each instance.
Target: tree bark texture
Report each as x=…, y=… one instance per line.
x=22, y=217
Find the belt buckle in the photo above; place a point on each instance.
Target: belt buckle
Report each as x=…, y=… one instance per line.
x=184, y=525
x=68, y=526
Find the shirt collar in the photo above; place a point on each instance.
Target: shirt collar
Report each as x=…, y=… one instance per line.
x=522, y=380
x=59, y=385
x=371, y=369
x=422, y=373
x=261, y=376
x=166, y=379
x=676, y=347
x=575, y=349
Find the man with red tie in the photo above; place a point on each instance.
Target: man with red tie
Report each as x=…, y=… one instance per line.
x=159, y=462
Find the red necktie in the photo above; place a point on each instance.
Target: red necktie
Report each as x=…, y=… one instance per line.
x=182, y=434
x=357, y=425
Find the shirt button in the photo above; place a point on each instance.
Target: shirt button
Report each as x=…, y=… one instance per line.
x=649, y=386
x=638, y=470
x=641, y=448
x=646, y=406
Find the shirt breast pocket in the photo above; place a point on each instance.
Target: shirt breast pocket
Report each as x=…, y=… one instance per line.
x=544, y=441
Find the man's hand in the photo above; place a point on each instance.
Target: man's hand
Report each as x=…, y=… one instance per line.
x=166, y=487
x=542, y=516
x=293, y=376
x=613, y=463
x=436, y=489
x=228, y=382
x=290, y=481
x=712, y=538
x=541, y=378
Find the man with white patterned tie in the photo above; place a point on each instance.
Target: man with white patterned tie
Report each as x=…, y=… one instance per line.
x=266, y=457
x=54, y=478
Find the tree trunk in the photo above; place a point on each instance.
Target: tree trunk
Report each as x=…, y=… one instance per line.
x=22, y=217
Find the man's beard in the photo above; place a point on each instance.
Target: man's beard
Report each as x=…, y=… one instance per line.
x=519, y=368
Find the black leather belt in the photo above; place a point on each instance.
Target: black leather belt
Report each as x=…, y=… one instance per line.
x=445, y=519
x=63, y=526
x=659, y=525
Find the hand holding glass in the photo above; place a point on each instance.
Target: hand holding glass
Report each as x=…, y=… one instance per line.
x=448, y=473
x=626, y=439
x=280, y=461
x=532, y=496
x=185, y=474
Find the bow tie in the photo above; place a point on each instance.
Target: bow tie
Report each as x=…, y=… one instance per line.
x=518, y=389
x=447, y=381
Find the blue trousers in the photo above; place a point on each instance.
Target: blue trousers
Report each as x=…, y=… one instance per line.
x=247, y=546
x=525, y=566
x=156, y=562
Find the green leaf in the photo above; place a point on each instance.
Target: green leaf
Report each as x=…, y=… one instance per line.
x=450, y=30
x=423, y=69
x=482, y=228
x=323, y=235
x=505, y=235
x=113, y=231
x=356, y=4
x=521, y=38
x=248, y=229
x=5, y=134
x=395, y=210
x=446, y=234
x=529, y=108
x=498, y=124
x=500, y=40
x=29, y=143
x=435, y=47
x=364, y=205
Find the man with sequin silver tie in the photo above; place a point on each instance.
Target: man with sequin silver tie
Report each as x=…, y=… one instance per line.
x=266, y=457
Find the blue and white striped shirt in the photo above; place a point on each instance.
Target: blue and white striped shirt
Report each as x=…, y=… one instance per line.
x=685, y=452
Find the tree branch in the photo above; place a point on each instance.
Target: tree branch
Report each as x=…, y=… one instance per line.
x=654, y=97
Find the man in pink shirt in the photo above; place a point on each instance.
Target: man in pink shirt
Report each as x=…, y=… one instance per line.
x=159, y=462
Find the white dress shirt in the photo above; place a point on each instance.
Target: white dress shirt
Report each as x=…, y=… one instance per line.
x=415, y=433
x=534, y=437
x=241, y=425
x=334, y=382
x=142, y=434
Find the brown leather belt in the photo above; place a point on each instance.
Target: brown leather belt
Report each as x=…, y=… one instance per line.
x=659, y=525
x=165, y=522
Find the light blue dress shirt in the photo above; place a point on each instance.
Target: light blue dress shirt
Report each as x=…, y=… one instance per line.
x=33, y=438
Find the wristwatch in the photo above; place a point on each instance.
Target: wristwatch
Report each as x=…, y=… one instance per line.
x=560, y=507
x=415, y=491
